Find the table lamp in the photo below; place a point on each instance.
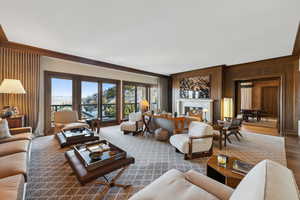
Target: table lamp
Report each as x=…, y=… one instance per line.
x=144, y=105
x=205, y=110
x=11, y=86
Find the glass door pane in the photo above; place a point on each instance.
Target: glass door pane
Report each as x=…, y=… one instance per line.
x=61, y=95
x=109, y=106
x=89, y=100
x=129, y=100
x=141, y=95
x=154, y=98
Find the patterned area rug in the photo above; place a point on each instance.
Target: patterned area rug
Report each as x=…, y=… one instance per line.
x=51, y=178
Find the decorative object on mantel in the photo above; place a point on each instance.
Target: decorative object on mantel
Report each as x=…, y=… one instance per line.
x=195, y=87
x=11, y=86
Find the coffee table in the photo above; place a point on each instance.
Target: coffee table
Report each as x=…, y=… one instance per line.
x=77, y=136
x=221, y=174
x=87, y=170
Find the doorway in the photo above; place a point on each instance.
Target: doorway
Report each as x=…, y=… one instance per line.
x=258, y=102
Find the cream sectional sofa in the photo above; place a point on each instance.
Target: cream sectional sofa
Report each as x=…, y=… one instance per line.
x=14, y=158
x=266, y=181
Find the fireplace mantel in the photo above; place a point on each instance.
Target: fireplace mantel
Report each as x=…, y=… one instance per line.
x=203, y=103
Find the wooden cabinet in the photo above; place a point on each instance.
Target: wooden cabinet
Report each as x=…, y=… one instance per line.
x=16, y=121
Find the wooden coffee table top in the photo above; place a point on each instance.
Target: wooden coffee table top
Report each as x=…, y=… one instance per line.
x=227, y=172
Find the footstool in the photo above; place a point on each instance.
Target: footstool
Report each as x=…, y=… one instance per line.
x=161, y=134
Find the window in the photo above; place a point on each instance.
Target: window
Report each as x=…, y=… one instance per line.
x=61, y=95
x=154, y=99
x=109, y=106
x=89, y=100
x=133, y=94
x=129, y=100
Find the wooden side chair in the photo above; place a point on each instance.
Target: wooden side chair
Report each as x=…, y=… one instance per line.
x=234, y=129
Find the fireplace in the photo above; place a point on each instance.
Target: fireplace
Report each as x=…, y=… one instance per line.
x=183, y=105
x=188, y=109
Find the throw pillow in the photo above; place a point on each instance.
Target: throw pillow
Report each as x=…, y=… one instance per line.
x=4, y=130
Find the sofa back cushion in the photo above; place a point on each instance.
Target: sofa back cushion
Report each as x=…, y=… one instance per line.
x=197, y=129
x=4, y=129
x=65, y=116
x=267, y=181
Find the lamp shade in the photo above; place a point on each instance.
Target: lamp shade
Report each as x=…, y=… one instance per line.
x=227, y=107
x=144, y=105
x=205, y=110
x=12, y=86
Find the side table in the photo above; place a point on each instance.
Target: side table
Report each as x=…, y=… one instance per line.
x=221, y=174
x=16, y=121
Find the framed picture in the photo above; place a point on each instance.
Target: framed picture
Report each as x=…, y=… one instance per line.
x=222, y=160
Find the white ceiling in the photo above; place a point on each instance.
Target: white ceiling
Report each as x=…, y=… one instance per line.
x=162, y=36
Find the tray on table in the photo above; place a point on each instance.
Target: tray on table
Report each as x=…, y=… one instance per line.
x=108, y=156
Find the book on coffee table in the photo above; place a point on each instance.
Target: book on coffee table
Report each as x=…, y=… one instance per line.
x=241, y=167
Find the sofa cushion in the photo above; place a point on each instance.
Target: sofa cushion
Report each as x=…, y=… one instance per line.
x=13, y=164
x=14, y=147
x=267, y=181
x=216, y=188
x=4, y=130
x=20, y=136
x=172, y=185
x=181, y=142
x=11, y=188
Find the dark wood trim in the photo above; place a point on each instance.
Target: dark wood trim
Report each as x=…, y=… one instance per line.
x=3, y=37
x=296, y=49
x=76, y=95
x=196, y=70
x=55, y=54
x=289, y=57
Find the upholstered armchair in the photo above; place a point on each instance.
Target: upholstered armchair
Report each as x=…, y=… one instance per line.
x=134, y=124
x=198, y=142
x=67, y=120
x=267, y=180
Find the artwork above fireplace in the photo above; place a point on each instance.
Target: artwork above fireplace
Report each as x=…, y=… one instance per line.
x=195, y=87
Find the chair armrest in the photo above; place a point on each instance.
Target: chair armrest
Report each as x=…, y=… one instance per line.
x=199, y=137
x=219, y=190
x=15, y=131
x=82, y=121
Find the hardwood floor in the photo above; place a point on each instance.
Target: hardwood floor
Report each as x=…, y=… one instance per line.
x=292, y=147
x=260, y=129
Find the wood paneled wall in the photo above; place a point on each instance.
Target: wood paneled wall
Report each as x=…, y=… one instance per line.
x=285, y=68
x=24, y=66
x=216, y=78
x=224, y=79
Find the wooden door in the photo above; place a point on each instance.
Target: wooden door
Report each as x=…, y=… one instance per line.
x=270, y=100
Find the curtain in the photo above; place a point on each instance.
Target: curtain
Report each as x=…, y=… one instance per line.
x=246, y=96
x=24, y=66
x=163, y=94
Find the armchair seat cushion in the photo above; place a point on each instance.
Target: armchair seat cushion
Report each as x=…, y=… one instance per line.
x=181, y=142
x=131, y=126
x=13, y=164
x=14, y=147
x=19, y=136
x=172, y=185
x=11, y=188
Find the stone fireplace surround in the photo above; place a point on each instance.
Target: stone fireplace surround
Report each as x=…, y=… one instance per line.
x=199, y=103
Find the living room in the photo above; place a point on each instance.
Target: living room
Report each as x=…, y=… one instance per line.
x=117, y=109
